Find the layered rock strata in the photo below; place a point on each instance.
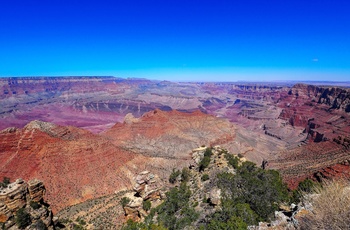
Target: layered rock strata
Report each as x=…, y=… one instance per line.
x=25, y=197
x=147, y=187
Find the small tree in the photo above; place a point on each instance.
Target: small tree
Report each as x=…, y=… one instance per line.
x=124, y=201
x=39, y=225
x=206, y=159
x=185, y=174
x=5, y=182
x=146, y=205
x=34, y=205
x=205, y=177
x=173, y=176
x=232, y=160
x=22, y=218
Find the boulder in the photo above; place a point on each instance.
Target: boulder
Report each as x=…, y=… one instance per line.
x=147, y=185
x=215, y=196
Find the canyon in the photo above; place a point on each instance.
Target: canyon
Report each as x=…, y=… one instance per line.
x=87, y=137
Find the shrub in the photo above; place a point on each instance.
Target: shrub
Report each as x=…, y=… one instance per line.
x=175, y=212
x=208, y=152
x=124, y=201
x=262, y=189
x=34, y=205
x=39, y=225
x=81, y=221
x=306, y=185
x=146, y=205
x=205, y=177
x=174, y=175
x=232, y=160
x=131, y=225
x=204, y=163
x=231, y=208
x=22, y=218
x=234, y=222
x=5, y=182
x=185, y=174
x=78, y=227
x=330, y=207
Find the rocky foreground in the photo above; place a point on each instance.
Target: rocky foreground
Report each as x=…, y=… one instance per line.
x=22, y=206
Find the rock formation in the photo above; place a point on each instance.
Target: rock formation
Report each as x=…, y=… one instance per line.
x=24, y=197
x=147, y=188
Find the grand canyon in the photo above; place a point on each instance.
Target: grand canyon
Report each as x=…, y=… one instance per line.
x=87, y=137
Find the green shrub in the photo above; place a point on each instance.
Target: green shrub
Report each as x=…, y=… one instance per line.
x=22, y=218
x=232, y=160
x=81, y=221
x=39, y=225
x=34, y=205
x=175, y=212
x=5, y=182
x=124, y=201
x=234, y=223
x=77, y=227
x=204, y=163
x=146, y=205
x=174, y=175
x=306, y=185
x=185, y=174
x=262, y=189
x=205, y=177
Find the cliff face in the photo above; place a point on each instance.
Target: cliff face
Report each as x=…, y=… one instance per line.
x=24, y=197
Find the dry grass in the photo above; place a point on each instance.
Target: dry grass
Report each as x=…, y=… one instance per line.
x=330, y=206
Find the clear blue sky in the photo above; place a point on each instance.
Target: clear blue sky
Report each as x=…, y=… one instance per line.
x=177, y=40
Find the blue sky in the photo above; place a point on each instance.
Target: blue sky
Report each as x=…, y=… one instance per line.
x=177, y=40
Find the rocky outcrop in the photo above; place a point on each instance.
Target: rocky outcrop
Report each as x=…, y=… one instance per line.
x=25, y=198
x=36, y=190
x=147, y=188
x=14, y=196
x=215, y=196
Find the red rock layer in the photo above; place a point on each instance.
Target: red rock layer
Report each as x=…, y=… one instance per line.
x=171, y=134
x=74, y=164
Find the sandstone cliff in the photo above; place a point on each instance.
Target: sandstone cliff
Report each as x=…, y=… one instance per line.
x=22, y=204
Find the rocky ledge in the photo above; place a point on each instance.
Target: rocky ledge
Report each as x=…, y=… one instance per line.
x=147, y=193
x=22, y=206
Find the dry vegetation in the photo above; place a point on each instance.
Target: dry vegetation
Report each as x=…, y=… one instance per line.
x=330, y=206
